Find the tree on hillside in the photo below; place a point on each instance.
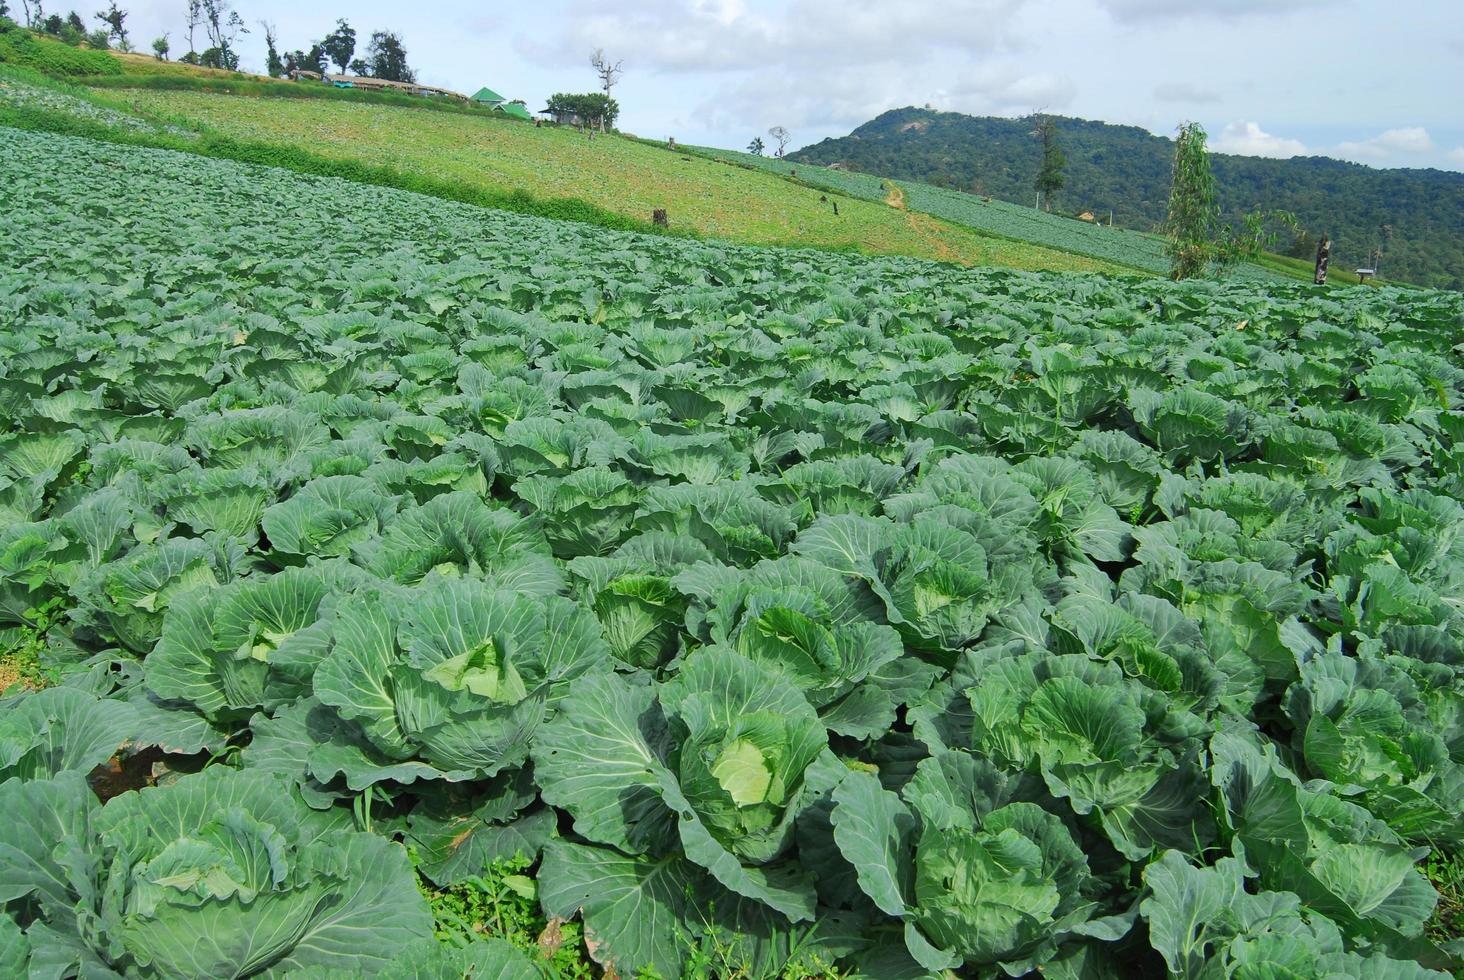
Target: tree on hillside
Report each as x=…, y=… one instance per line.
x=1195, y=237
x=223, y=25
x=340, y=44
x=53, y=25
x=1192, y=227
x=358, y=67
x=312, y=60
x=387, y=57
x=34, y=12
x=160, y=47
x=1053, y=174
x=757, y=146
x=195, y=21
x=591, y=109
x=609, y=74
x=115, y=18
x=782, y=137
x=273, y=65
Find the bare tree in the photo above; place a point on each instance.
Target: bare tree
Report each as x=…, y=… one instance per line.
x=782, y=137
x=195, y=20
x=34, y=13
x=609, y=74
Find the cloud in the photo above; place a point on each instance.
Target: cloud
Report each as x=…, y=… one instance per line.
x=1249, y=139
x=1004, y=90
x=1186, y=93
x=1456, y=155
x=849, y=96
x=1137, y=11
x=1408, y=140
x=697, y=36
x=813, y=65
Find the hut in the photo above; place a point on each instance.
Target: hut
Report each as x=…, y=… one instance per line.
x=365, y=84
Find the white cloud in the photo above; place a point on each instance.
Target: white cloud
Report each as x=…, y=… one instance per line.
x=1004, y=90
x=1456, y=155
x=1160, y=10
x=813, y=65
x=1249, y=139
x=1186, y=93
x=1407, y=140
x=697, y=36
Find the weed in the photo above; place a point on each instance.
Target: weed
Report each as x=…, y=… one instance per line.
x=1446, y=872
x=503, y=902
x=22, y=648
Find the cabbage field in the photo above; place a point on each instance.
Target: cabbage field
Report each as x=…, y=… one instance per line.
x=786, y=613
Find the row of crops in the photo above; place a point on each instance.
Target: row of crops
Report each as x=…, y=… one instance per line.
x=836, y=616
x=1130, y=248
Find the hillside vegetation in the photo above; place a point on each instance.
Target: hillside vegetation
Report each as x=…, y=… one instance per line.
x=623, y=176
x=1135, y=249
x=558, y=172
x=1127, y=170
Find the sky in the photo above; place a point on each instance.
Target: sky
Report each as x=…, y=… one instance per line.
x=1376, y=84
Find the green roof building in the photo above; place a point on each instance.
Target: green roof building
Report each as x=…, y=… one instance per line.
x=515, y=110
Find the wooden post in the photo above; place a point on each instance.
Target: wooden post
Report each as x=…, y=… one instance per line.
x=659, y=219
x=1324, y=255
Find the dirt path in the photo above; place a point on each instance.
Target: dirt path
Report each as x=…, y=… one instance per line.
x=924, y=226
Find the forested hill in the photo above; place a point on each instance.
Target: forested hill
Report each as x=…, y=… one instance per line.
x=1126, y=169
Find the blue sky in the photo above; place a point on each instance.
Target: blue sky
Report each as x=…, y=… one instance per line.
x=1379, y=84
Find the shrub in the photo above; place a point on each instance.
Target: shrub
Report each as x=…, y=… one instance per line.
x=54, y=57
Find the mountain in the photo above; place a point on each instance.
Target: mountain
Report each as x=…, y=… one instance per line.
x=1125, y=169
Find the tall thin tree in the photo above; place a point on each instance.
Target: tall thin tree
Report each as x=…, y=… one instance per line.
x=1192, y=225
x=273, y=64
x=609, y=74
x=195, y=21
x=782, y=137
x=1053, y=174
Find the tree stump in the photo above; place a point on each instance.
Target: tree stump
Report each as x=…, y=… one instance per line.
x=1324, y=255
x=659, y=219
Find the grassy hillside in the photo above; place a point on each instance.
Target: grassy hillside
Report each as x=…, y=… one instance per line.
x=622, y=176
x=614, y=181
x=1127, y=170
x=992, y=216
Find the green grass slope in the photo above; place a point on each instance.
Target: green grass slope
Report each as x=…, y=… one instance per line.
x=619, y=175
x=992, y=216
